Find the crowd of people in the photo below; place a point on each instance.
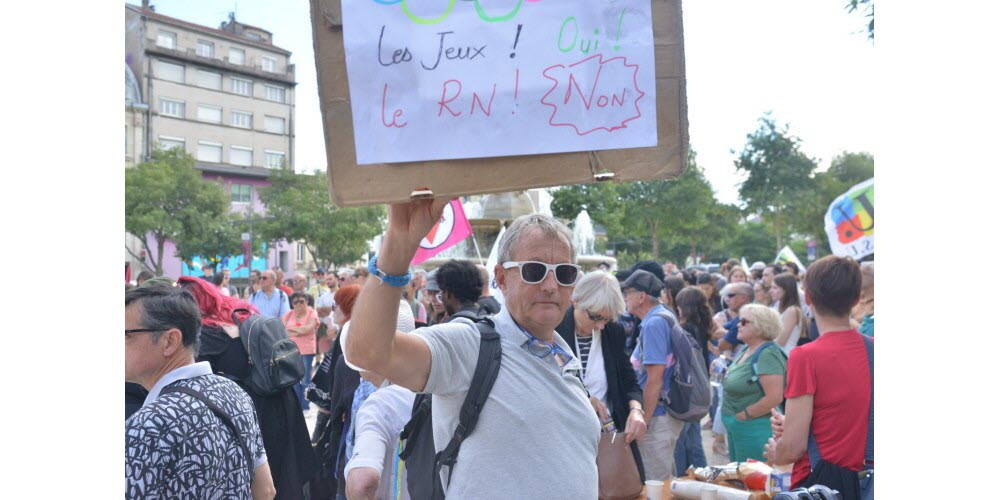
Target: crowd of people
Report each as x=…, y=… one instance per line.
x=579, y=353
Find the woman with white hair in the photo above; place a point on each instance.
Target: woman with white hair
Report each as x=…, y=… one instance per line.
x=754, y=383
x=598, y=341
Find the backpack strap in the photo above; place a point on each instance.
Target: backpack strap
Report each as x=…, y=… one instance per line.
x=870, y=441
x=755, y=375
x=487, y=368
x=226, y=419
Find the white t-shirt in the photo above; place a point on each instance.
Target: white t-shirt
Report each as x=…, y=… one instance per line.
x=326, y=300
x=537, y=431
x=376, y=445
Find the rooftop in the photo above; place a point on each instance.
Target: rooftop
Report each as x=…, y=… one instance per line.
x=215, y=31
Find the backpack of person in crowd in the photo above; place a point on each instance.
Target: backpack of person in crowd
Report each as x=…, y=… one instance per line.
x=275, y=362
x=688, y=395
x=423, y=465
x=755, y=377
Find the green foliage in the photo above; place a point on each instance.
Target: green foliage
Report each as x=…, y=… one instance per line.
x=600, y=200
x=752, y=240
x=168, y=199
x=642, y=216
x=222, y=240
x=868, y=8
x=778, y=174
x=300, y=209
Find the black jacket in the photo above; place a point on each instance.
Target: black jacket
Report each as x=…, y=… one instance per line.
x=622, y=384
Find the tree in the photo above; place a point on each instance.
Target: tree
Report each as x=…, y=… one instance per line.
x=166, y=198
x=778, y=174
x=300, y=209
x=868, y=7
x=600, y=200
x=222, y=240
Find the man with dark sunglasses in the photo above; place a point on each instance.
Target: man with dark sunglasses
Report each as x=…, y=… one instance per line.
x=197, y=434
x=735, y=295
x=537, y=424
x=270, y=301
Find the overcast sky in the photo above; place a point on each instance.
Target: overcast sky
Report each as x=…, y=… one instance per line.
x=808, y=62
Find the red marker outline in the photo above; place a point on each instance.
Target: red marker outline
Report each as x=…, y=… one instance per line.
x=601, y=62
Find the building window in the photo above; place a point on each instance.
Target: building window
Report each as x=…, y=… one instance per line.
x=272, y=93
x=210, y=80
x=209, y=114
x=206, y=49
x=169, y=71
x=274, y=124
x=242, y=119
x=300, y=252
x=237, y=56
x=274, y=159
x=241, y=86
x=269, y=64
x=242, y=193
x=166, y=142
x=166, y=39
x=170, y=107
x=210, y=152
x=242, y=156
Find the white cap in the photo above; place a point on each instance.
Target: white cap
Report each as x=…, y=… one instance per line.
x=404, y=323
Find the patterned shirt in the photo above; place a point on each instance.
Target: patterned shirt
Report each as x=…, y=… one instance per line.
x=176, y=447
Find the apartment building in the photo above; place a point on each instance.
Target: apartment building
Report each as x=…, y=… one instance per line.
x=225, y=95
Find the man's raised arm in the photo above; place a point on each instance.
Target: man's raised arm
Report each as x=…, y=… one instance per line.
x=372, y=341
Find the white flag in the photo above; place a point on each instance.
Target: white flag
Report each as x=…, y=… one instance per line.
x=785, y=255
x=492, y=263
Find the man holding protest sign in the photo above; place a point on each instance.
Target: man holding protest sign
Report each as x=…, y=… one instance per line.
x=536, y=431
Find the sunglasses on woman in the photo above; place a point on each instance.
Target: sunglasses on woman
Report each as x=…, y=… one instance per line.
x=597, y=318
x=533, y=272
x=297, y=302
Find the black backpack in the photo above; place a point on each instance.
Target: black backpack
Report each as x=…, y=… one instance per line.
x=423, y=465
x=689, y=395
x=275, y=362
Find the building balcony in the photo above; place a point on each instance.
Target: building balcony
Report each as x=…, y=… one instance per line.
x=190, y=56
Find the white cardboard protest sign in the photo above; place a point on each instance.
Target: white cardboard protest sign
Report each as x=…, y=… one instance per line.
x=450, y=79
x=352, y=184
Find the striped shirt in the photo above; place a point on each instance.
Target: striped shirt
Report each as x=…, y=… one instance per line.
x=583, y=344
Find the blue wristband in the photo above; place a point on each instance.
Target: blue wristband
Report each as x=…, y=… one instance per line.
x=387, y=278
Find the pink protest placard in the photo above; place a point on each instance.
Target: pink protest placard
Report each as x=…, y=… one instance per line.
x=451, y=229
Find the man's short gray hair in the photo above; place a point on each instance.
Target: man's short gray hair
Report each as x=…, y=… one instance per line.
x=597, y=292
x=550, y=226
x=737, y=288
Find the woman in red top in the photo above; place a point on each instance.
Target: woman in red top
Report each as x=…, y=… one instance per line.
x=301, y=324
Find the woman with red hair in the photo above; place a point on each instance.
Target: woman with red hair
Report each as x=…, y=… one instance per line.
x=332, y=390
x=282, y=425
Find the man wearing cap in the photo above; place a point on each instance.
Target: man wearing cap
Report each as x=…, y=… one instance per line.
x=321, y=285
x=653, y=361
x=735, y=295
x=432, y=300
x=537, y=431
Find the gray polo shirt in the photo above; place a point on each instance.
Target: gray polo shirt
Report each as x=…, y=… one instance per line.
x=537, y=434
